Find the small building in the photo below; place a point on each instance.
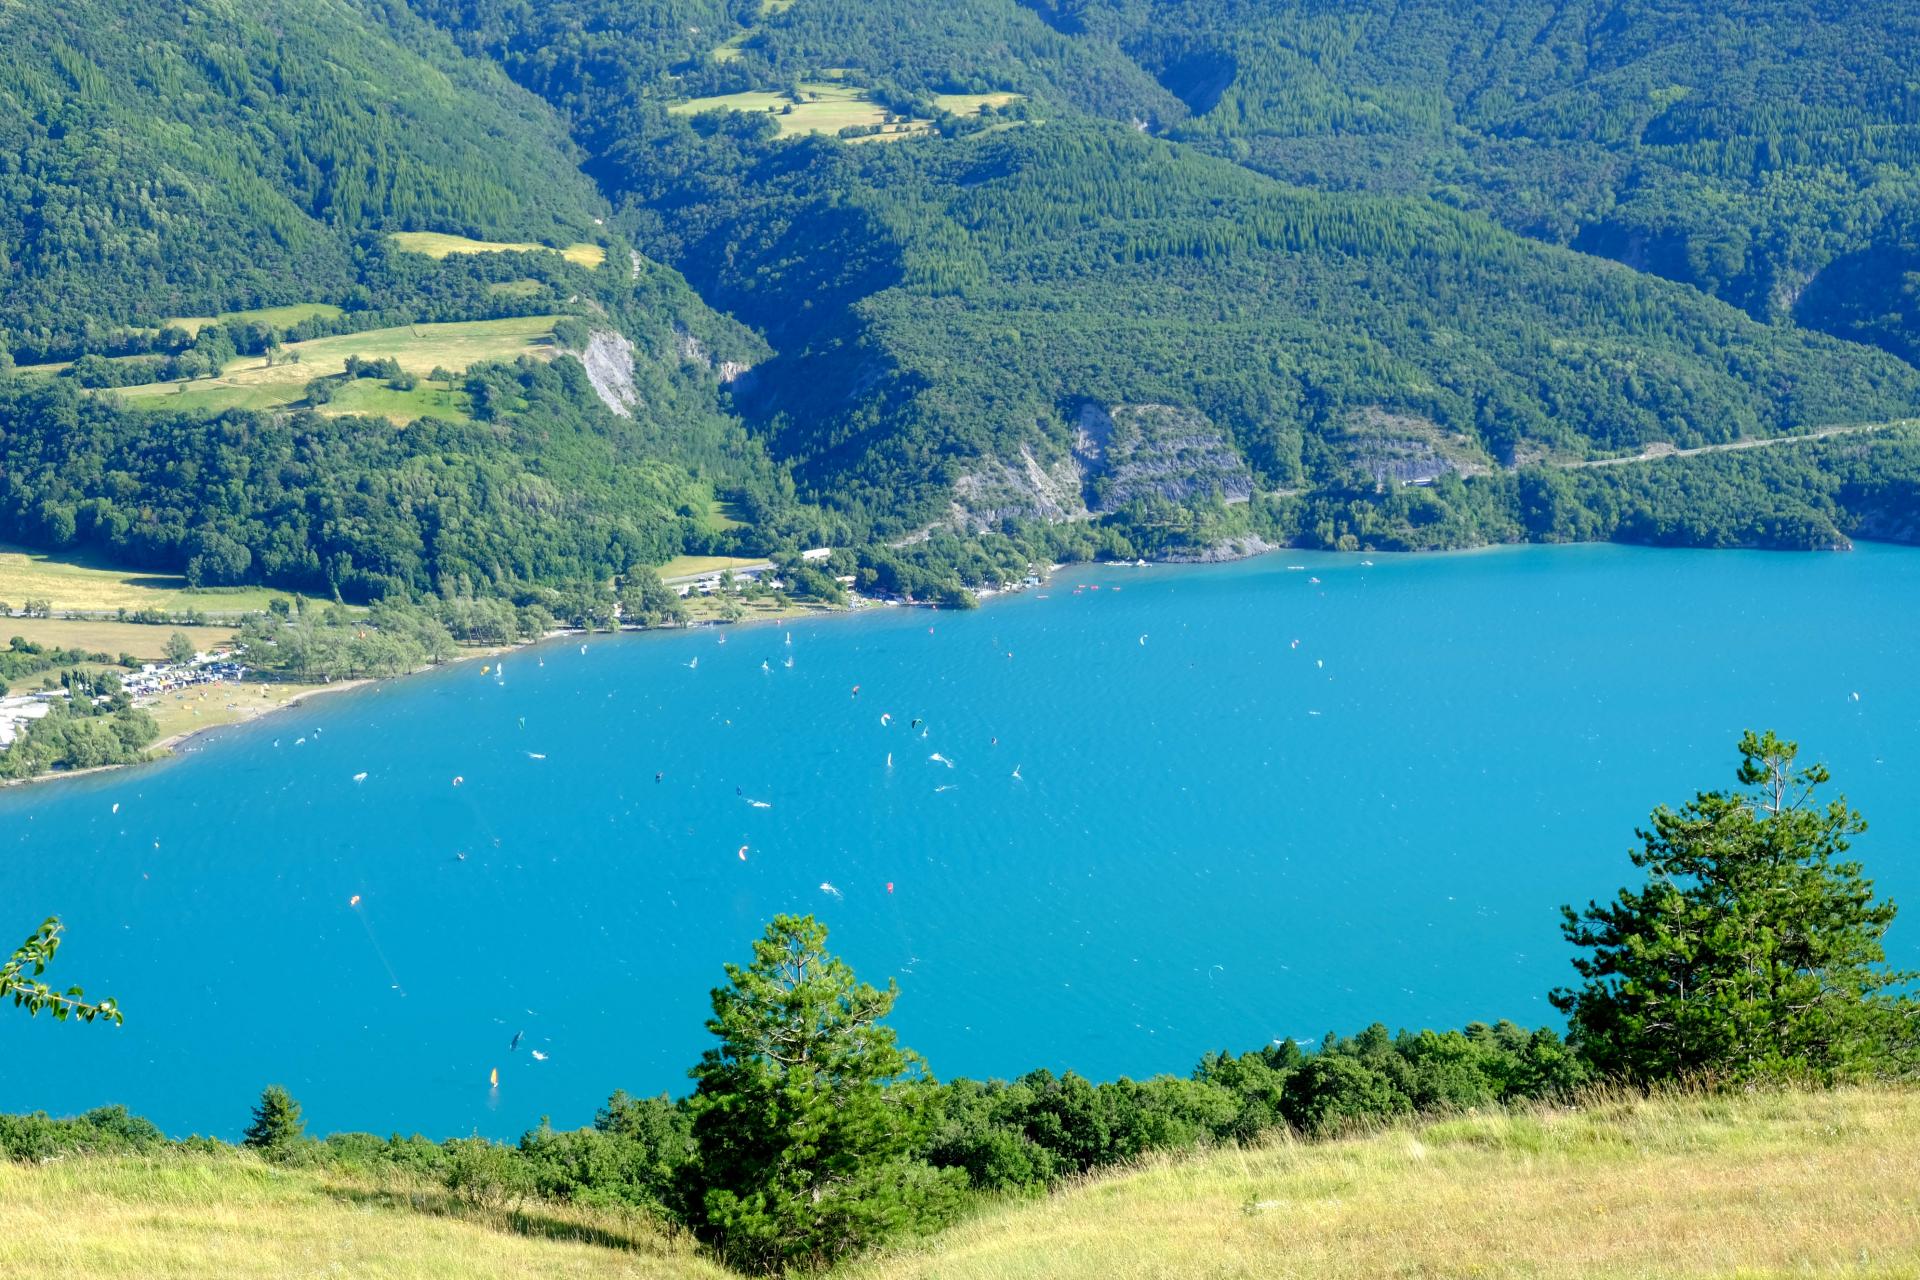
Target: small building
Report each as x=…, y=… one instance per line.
x=816, y=554
x=17, y=713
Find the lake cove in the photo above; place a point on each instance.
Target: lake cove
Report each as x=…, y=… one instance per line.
x=1251, y=802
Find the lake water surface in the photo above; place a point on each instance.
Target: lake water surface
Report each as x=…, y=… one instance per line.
x=1250, y=805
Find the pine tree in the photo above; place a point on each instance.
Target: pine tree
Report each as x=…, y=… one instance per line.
x=806, y=1114
x=1753, y=949
x=277, y=1127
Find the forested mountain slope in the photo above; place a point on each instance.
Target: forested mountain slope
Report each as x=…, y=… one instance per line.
x=244, y=245
x=1100, y=275
x=948, y=301
x=1006, y=281
x=1764, y=152
x=194, y=158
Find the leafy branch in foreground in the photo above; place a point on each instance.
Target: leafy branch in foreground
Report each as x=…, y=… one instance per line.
x=20, y=974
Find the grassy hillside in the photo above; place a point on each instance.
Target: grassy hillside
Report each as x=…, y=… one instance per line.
x=1752, y=1186
x=1765, y=1185
x=232, y=1215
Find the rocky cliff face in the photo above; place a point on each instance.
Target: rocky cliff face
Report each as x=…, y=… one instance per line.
x=694, y=351
x=609, y=363
x=1131, y=452
x=1121, y=453
x=1397, y=449
x=1022, y=487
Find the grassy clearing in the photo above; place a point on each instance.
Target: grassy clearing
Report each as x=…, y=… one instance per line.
x=688, y=566
x=147, y=643
x=210, y=395
x=435, y=245
x=828, y=106
x=821, y=107
x=235, y=1217
x=516, y=288
x=1769, y=1185
x=276, y=317
x=970, y=104
x=722, y=515
x=84, y=582
x=251, y=383
x=376, y=399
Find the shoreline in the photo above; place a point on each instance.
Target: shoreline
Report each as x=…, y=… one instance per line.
x=169, y=747
x=165, y=746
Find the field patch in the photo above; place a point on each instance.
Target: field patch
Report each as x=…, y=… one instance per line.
x=437, y=245
x=723, y=515
x=272, y=317
x=692, y=566
x=372, y=398
x=250, y=382
x=1760, y=1185
x=147, y=643
x=971, y=104
x=90, y=584
x=811, y=107
x=232, y=1215
x=516, y=289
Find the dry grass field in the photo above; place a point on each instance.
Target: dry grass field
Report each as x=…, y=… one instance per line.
x=1748, y=1187
x=238, y=1218
x=436, y=245
x=822, y=108
x=1769, y=1185
x=828, y=107
x=147, y=643
x=84, y=582
x=688, y=566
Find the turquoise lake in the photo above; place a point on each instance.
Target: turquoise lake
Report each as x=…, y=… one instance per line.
x=1250, y=805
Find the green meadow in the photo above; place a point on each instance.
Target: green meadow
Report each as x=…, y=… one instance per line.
x=819, y=107
x=84, y=583
x=825, y=106
x=250, y=382
x=434, y=244
x=272, y=317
